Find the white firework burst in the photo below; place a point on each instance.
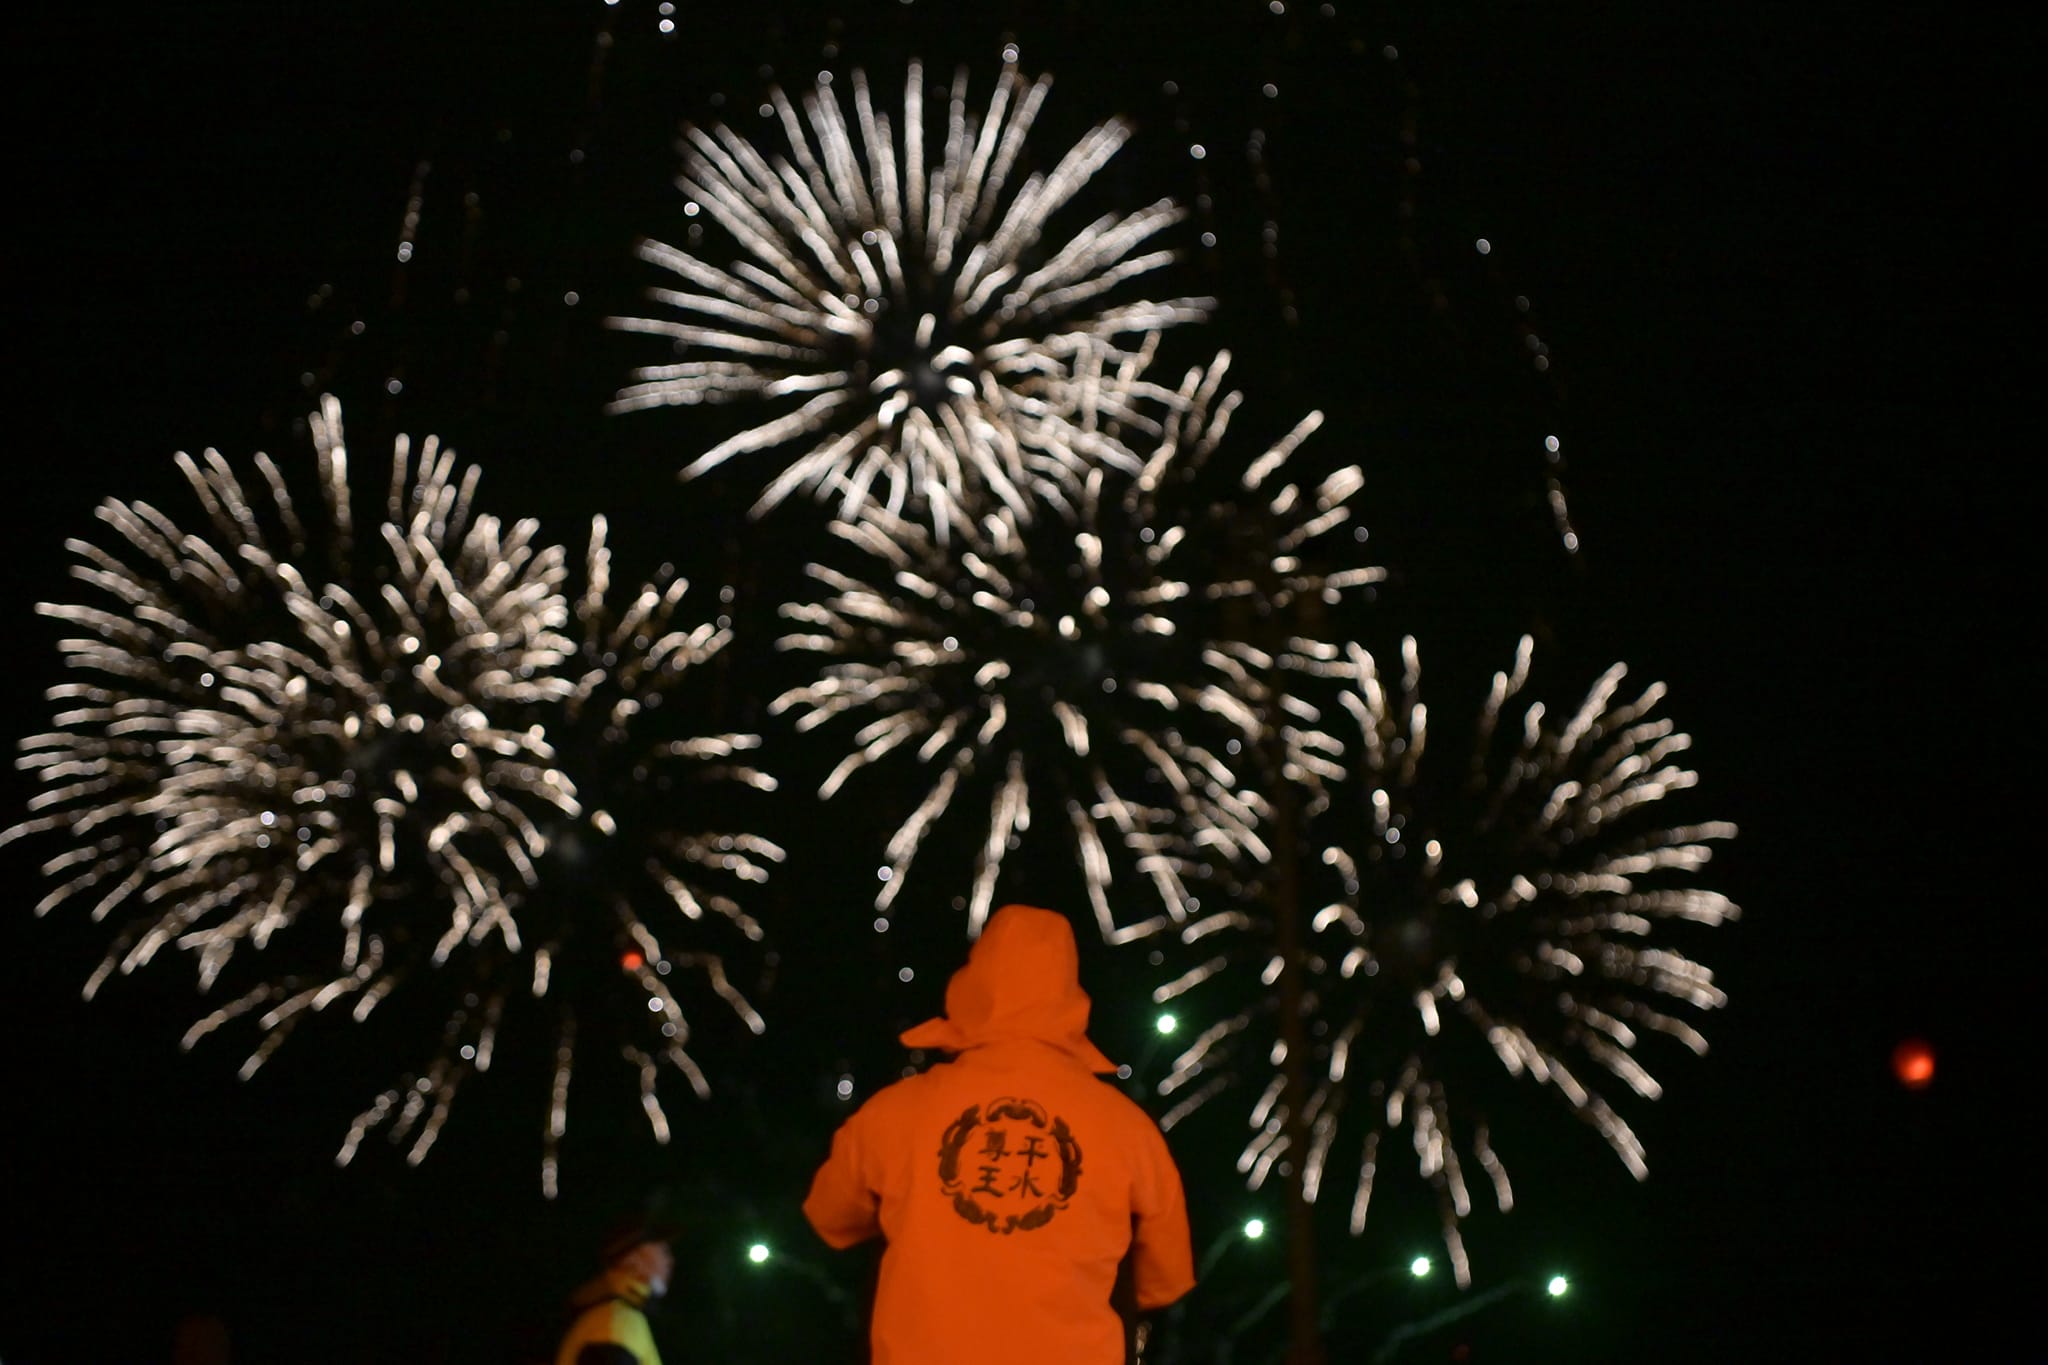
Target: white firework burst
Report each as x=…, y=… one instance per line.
x=1499, y=922
x=324, y=771
x=1079, y=661
x=255, y=748
x=902, y=307
x=634, y=902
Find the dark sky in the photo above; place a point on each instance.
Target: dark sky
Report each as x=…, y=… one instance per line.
x=1775, y=255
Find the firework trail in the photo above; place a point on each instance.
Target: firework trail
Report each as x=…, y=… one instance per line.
x=1077, y=661
x=1508, y=911
x=326, y=770
x=905, y=299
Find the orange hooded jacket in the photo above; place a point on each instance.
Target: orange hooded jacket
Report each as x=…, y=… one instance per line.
x=1008, y=1183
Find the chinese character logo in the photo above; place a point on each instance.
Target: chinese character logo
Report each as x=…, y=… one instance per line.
x=1009, y=1166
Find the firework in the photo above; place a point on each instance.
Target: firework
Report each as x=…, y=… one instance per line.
x=249, y=743
x=1508, y=911
x=901, y=307
x=630, y=901
x=327, y=771
x=1079, y=661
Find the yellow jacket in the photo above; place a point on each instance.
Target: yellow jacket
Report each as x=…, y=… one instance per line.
x=613, y=1314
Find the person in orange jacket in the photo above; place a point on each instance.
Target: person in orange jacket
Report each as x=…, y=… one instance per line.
x=1010, y=1183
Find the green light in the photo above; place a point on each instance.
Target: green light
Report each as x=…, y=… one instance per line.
x=1557, y=1286
x=1166, y=1024
x=1254, y=1228
x=758, y=1253
x=1419, y=1267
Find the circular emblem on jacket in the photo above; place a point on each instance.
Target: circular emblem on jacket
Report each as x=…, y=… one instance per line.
x=1009, y=1165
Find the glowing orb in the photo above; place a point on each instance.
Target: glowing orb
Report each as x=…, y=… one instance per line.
x=1913, y=1063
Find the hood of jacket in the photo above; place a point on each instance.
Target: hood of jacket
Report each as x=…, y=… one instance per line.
x=1022, y=981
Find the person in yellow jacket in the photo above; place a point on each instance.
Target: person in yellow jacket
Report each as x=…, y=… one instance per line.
x=611, y=1310
x=1010, y=1183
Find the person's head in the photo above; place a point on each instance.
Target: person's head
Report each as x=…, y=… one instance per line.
x=1022, y=980
x=640, y=1250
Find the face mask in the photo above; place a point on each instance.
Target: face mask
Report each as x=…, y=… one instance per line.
x=656, y=1287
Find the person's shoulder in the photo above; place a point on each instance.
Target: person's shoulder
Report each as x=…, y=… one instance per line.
x=617, y=1317
x=1116, y=1097
x=1111, y=1099
x=906, y=1092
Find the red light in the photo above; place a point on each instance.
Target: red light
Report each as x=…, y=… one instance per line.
x=632, y=961
x=1913, y=1064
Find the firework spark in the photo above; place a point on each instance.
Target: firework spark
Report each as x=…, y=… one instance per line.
x=325, y=774
x=1078, y=660
x=906, y=300
x=1512, y=913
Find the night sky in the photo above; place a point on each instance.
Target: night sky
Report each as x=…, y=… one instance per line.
x=1772, y=255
